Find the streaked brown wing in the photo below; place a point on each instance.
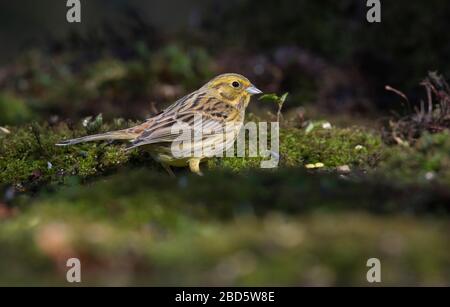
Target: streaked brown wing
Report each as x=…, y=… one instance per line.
x=193, y=114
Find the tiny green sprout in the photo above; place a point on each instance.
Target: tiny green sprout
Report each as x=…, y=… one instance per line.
x=279, y=100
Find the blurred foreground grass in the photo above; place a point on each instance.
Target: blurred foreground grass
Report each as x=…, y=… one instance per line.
x=227, y=229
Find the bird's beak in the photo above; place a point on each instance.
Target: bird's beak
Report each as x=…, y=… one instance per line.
x=253, y=90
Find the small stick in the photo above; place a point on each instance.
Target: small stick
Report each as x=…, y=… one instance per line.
x=401, y=94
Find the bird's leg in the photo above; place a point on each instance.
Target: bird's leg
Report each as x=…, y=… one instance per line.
x=168, y=170
x=194, y=166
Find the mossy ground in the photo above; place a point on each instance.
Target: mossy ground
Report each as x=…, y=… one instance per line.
x=130, y=223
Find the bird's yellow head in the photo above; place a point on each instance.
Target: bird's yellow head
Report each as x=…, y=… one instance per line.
x=233, y=88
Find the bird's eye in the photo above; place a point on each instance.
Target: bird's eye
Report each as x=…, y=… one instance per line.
x=236, y=84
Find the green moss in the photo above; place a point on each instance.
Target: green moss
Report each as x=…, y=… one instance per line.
x=247, y=226
x=252, y=227
x=334, y=147
x=428, y=160
x=28, y=155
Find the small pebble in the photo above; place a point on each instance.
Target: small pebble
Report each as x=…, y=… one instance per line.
x=344, y=169
x=326, y=125
x=316, y=165
x=4, y=130
x=430, y=176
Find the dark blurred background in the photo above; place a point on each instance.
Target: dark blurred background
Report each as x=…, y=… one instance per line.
x=26, y=23
x=324, y=53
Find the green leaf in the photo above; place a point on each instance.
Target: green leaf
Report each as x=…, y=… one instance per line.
x=269, y=97
x=283, y=98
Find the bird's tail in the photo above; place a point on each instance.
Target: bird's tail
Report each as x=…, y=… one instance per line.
x=113, y=135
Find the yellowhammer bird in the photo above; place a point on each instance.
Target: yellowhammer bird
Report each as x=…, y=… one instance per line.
x=200, y=125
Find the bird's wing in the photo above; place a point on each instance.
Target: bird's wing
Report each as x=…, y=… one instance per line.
x=193, y=115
